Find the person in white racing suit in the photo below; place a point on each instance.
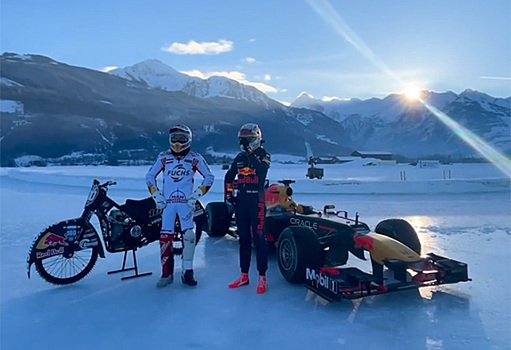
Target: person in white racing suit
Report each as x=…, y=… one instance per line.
x=177, y=197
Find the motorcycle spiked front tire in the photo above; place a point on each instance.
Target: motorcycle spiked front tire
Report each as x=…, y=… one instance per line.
x=67, y=267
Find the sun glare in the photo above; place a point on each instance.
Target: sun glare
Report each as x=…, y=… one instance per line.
x=329, y=14
x=412, y=93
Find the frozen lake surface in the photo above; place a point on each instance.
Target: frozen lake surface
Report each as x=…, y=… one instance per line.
x=465, y=217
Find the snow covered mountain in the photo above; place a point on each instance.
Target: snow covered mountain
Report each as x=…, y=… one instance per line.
x=157, y=74
x=386, y=109
x=407, y=127
x=54, y=110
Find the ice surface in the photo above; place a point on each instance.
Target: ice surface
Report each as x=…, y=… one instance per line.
x=466, y=217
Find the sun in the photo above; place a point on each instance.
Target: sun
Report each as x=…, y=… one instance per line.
x=412, y=93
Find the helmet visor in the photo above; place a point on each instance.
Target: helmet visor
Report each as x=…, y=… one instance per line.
x=178, y=137
x=247, y=139
x=246, y=136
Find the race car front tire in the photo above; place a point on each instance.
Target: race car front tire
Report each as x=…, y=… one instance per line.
x=298, y=248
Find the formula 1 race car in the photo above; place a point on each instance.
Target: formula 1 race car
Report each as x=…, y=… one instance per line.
x=312, y=245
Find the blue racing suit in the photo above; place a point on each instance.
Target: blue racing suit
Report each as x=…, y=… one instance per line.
x=251, y=169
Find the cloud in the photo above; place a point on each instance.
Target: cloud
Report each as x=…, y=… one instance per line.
x=331, y=98
x=108, y=69
x=267, y=77
x=263, y=87
x=195, y=48
x=250, y=60
x=234, y=75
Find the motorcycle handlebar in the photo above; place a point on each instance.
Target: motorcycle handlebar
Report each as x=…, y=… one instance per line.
x=106, y=184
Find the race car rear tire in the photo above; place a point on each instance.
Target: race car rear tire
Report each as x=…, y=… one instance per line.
x=400, y=230
x=219, y=219
x=298, y=248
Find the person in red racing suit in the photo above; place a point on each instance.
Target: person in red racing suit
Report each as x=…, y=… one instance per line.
x=250, y=167
x=178, y=199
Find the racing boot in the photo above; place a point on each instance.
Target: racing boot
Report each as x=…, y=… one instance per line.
x=187, y=278
x=167, y=260
x=165, y=281
x=261, y=285
x=240, y=281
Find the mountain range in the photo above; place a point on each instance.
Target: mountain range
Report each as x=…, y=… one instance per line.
x=53, y=110
x=408, y=128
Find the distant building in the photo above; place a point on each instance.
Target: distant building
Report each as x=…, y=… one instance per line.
x=324, y=160
x=429, y=163
x=376, y=154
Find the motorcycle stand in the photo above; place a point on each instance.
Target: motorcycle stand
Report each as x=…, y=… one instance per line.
x=135, y=267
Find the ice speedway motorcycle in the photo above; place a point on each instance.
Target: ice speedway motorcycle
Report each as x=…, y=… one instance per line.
x=66, y=252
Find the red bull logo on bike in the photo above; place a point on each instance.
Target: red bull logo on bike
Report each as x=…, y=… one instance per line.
x=51, y=240
x=49, y=252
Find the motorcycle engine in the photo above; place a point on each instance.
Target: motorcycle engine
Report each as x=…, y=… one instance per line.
x=117, y=219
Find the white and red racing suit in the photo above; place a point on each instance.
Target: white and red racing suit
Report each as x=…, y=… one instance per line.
x=177, y=186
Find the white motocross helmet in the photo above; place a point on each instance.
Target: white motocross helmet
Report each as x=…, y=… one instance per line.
x=250, y=137
x=180, y=138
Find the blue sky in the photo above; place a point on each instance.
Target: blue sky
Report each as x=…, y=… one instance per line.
x=332, y=48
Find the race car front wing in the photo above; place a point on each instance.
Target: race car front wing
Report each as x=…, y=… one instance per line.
x=336, y=283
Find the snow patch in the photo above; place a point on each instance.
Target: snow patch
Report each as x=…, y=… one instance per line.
x=9, y=106
x=29, y=160
x=326, y=139
x=104, y=138
x=8, y=82
x=305, y=119
x=209, y=128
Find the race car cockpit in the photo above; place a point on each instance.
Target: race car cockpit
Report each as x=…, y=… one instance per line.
x=281, y=196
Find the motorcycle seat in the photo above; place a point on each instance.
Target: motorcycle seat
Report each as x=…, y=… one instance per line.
x=139, y=210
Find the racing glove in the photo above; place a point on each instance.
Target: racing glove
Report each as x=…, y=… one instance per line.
x=159, y=199
x=261, y=155
x=229, y=194
x=230, y=199
x=199, y=192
